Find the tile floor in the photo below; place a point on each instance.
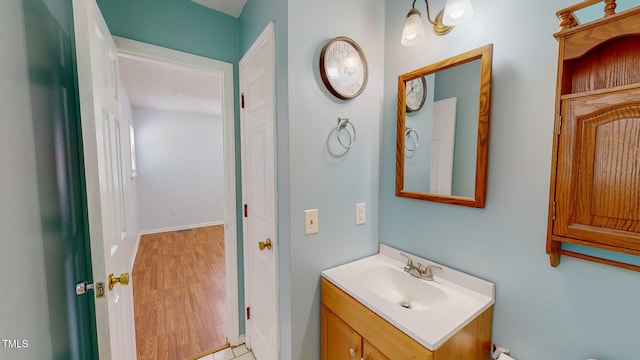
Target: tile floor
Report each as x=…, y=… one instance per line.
x=236, y=353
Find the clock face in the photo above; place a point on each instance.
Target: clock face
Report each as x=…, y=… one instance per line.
x=343, y=68
x=416, y=93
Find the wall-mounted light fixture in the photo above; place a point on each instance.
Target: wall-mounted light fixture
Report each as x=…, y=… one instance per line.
x=455, y=12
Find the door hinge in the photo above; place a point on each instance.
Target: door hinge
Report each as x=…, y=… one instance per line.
x=248, y=312
x=242, y=100
x=558, y=126
x=553, y=211
x=246, y=213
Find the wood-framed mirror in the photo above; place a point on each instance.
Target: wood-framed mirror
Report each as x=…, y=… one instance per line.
x=442, y=144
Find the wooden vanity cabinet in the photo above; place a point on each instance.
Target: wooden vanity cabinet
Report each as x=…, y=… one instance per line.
x=349, y=330
x=341, y=342
x=595, y=172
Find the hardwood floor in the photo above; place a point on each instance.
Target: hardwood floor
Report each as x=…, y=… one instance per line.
x=179, y=293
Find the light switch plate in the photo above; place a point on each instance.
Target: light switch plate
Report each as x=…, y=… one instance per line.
x=361, y=213
x=310, y=221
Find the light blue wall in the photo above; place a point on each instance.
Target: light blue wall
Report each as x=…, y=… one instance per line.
x=318, y=180
x=595, y=11
x=307, y=176
x=578, y=310
x=24, y=305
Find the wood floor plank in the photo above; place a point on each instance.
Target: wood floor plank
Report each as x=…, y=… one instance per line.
x=179, y=293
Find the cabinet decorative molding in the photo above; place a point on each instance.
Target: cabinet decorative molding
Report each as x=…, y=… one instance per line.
x=594, y=197
x=352, y=331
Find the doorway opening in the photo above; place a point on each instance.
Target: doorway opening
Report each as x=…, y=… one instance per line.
x=179, y=294
x=199, y=92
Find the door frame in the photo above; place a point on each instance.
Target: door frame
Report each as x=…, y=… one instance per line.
x=225, y=71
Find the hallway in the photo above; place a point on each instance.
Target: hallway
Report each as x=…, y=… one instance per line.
x=179, y=293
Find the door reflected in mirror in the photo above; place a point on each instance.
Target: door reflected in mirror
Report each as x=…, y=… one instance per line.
x=442, y=140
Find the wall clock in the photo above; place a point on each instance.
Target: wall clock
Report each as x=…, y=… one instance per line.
x=416, y=94
x=343, y=68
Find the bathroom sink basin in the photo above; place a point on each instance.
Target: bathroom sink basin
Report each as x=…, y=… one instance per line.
x=402, y=289
x=430, y=312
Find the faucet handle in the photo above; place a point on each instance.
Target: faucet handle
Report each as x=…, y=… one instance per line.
x=428, y=273
x=409, y=260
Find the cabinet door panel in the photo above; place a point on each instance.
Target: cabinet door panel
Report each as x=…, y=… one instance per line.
x=598, y=179
x=339, y=341
x=371, y=353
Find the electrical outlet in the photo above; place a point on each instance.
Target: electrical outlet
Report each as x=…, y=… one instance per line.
x=311, y=221
x=361, y=213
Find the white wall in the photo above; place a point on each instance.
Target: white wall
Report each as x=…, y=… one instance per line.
x=180, y=169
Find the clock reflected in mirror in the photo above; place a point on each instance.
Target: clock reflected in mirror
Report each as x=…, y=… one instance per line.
x=343, y=68
x=416, y=90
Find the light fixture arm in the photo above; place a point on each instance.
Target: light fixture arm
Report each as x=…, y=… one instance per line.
x=438, y=27
x=428, y=13
x=455, y=12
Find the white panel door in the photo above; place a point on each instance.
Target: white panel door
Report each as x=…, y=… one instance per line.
x=257, y=85
x=442, y=146
x=98, y=87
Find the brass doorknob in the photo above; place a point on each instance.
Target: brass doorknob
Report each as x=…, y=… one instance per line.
x=265, y=244
x=123, y=280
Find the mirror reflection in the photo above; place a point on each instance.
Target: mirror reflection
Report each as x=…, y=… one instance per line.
x=443, y=113
x=440, y=140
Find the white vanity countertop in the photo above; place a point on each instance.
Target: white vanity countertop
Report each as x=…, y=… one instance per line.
x=431, y=325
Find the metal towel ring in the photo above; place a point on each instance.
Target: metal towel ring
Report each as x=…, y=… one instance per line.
x=407, y=133
x=342, y=125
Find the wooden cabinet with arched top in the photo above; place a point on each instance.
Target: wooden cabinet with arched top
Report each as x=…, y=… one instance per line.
x=595, y=175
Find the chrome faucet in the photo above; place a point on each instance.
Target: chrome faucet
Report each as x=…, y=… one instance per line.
x=417, y=271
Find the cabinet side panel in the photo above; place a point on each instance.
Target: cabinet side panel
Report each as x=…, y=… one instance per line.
x=472, y=342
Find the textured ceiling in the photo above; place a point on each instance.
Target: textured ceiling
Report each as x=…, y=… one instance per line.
x=229, y=7
x=168, y=87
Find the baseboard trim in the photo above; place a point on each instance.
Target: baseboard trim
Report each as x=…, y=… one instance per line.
x=181, y=227
x=208, y=352
x=240, y=340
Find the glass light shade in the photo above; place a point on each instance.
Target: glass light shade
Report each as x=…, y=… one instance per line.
x=457, y=12
x=413, y=32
